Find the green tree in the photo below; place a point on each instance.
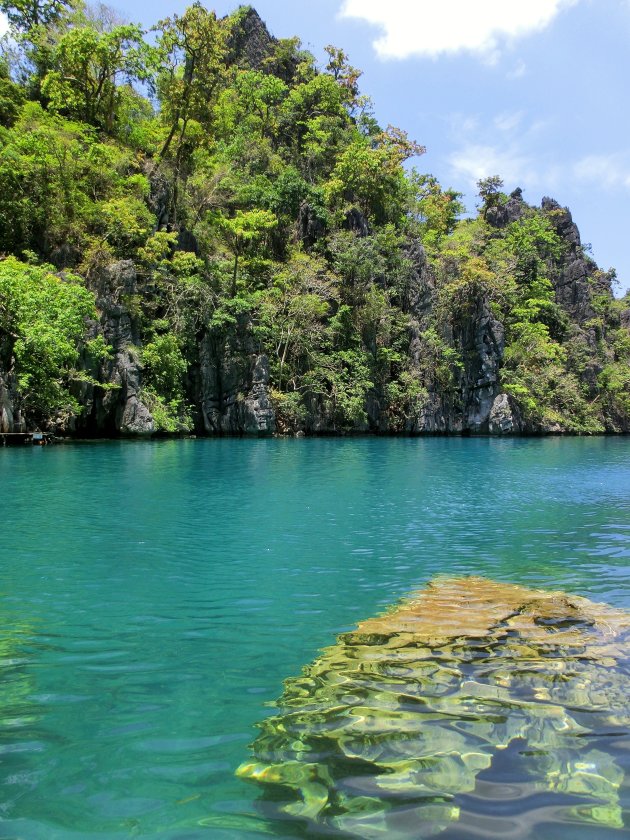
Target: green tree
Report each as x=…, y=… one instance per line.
x=125, y=223
x=242, y=232
x=45, y=317
x=341, y=380
x=191, y=55
x=346, y=76
x=489, y=191
x=289, y=62
x=435, y=210
x=55, y=178
x=27, y=15
x=251, y=105
x=292, y=317
x=369, y=174
x=11, y=98
x=312, y=123
x=163, y=392
x=176, y=287
x=88, y=66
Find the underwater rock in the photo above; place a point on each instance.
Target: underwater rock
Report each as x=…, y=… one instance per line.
x=382, y=733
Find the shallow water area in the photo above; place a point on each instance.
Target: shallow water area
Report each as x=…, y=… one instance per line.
x=387, y=732
x=155, y=595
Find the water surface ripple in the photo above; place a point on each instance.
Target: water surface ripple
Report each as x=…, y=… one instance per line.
x=155, y=595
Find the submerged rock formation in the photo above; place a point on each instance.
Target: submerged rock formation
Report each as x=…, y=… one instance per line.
x=389, y=732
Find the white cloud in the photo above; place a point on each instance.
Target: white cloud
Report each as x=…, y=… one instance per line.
x=430, y=28
x=4, y=24
x=510, y=145
x=609, y=171
x=507, y=122
x=519, y=70
x=464, y=124
x=477, y=161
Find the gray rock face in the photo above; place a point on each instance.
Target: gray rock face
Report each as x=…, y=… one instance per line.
x=502, y=215
x=251, y=46
x=160, y=195
x=6, y=408
x=7, y=411
x=233, y=385
x=310, y=226
x=480, y=340
x=501, y=420
x=357, y=222
x=562, y=221
x=482, y=344
x=572, y=292
x=119, y=410
x=420, y=292
x=134, y=418
x=250, y=43
x=11, y=419
x=575, y=280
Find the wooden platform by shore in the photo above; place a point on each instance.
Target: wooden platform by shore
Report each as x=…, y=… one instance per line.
x=21, y=438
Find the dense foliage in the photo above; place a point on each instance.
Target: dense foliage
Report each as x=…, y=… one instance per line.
x=255, y=192
x=45, y=316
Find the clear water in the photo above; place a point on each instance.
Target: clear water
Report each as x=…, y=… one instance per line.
x=155, y=595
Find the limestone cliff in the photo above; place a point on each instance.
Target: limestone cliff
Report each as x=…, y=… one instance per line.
x=251, y=257
x=229, y=383
x=118, y=409
x=233, y=388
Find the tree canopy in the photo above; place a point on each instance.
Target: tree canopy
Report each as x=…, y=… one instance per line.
x=254, y=190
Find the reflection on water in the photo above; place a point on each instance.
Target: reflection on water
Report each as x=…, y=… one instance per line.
x=471, y=703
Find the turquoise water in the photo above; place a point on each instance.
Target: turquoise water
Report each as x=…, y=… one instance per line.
x=155, y=595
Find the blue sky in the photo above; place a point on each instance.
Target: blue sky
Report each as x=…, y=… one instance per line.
x=533, y=90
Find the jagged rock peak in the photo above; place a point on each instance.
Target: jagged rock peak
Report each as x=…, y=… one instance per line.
x=562, y=220
x=250, y=41
x=502, y=215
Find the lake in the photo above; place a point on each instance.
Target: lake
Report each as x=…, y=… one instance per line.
x=155, y=595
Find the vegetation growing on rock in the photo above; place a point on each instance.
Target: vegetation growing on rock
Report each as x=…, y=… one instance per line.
x=261, y=256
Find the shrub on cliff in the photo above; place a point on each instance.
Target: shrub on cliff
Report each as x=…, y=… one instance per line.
x=45, y=316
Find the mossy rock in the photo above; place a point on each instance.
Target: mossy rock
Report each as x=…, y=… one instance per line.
x=401, y=715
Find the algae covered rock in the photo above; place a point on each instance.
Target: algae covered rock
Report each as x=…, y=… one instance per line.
x=388, y=728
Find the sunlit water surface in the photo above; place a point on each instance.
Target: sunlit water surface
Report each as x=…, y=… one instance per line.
x=155, y=595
